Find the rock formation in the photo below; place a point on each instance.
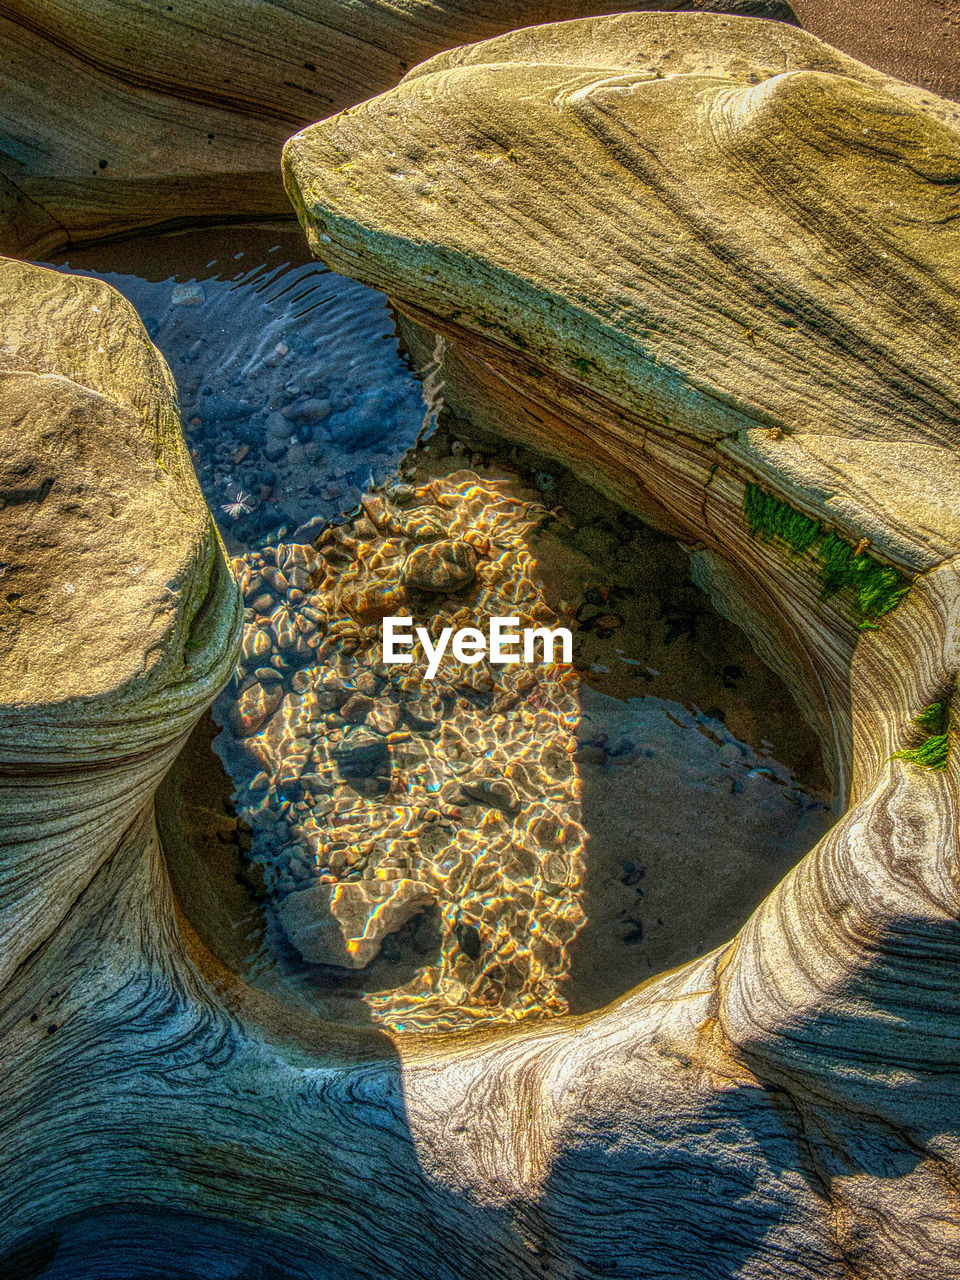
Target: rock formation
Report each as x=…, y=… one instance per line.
x=119, y=116
x=345, y=924
x=712, y=262
x=627, y=266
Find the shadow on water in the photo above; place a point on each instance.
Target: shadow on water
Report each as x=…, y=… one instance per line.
x=700, y=784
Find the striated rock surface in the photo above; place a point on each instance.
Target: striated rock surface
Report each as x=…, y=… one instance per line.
x=726, y=347
x=632, y=269
x=118, y=116
x=714, y=263
x=118, y=617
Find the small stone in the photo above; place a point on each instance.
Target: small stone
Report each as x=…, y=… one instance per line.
x=495, y=792
x=589, y=753
x=254, y=706
x=301, y=680
x=384, y=717
x=366, y=682
x=268, y=675
x=356, y=709
x=263, y=603
x=300, y=557
x=372, y=602
x=284, y=626
x=217, y=408
x=403, y=495
x=361, y=753
x=187, y=295
x=441, y=566
x=468, y=939
x=255, y=645
x=346, y=924
x=290, y=770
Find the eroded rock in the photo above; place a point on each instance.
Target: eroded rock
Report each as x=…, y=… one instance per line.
x=447, y=565
x=131, y=117
x=345, y=924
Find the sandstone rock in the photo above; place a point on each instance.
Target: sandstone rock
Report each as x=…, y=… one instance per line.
x=356, y=709
x=803, y=379
x=425, y=524
x=345, y=924
x=441, y=566
x=131, y=117
x=93, y=457
x=793, y=1095
x=254, y=707
x=685, y=272
x=361, y=753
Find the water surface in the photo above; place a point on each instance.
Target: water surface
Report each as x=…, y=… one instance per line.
x=502, y=842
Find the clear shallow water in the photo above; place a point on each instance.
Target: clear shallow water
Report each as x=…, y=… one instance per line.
x=293, y=391
x=503, y=842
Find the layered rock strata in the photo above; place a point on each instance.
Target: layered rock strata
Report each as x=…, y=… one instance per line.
x=783, y=1107
x=117, y=117
x=713, y=262
x=118, y=615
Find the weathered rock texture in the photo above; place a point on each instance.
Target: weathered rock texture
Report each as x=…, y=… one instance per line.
x=679, y=282
x=715, y=264
x=116, y=116
x=116, y=609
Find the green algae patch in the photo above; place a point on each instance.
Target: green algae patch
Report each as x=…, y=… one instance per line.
x=931, y=754
x=877, y=588
x=771, y=518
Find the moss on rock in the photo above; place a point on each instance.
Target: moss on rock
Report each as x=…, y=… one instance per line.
x=878, y=587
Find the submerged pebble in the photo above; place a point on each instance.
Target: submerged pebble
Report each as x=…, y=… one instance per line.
x=441, y=566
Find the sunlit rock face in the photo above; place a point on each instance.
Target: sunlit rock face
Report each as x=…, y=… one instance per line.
x=709, y=247
x=119, y=615
x=713, y=264
x=783, y=1106
x=117, y=117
